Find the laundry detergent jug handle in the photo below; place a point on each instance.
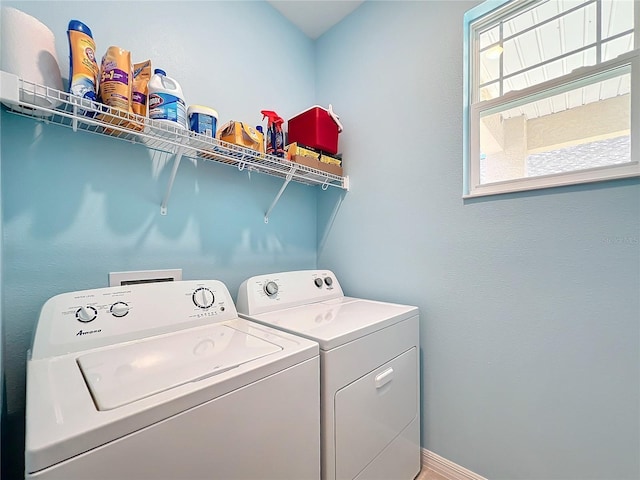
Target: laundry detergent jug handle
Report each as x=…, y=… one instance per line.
x=335, y=118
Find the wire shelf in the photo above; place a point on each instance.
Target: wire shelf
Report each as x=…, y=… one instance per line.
x=80, y=114
x=53, y=106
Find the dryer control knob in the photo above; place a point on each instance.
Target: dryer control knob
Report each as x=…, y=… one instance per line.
x=328, y=281
x=119, y=309
x=86, y=314
x=271, y=288
x=318, y=282
x=203, y=297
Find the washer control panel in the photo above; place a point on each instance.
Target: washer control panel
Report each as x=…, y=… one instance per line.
x=265, y=293
x=75, y=321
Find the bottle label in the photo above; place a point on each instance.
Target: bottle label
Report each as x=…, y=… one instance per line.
x=164, y=106
x=139, y=97
x=204, y=124
x=112, y=74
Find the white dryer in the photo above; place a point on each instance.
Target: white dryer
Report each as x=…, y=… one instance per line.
x=164, y=380
x=369, y=364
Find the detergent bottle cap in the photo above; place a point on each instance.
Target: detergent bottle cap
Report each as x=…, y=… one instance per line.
x=80, y=27
x=160, y=72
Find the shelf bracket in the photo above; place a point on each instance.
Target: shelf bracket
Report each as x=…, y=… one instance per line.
x=275, y=200
x=174, y=171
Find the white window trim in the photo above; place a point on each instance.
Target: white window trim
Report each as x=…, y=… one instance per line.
x=473, y=187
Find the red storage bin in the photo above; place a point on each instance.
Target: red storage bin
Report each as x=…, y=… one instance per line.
x=317, y=128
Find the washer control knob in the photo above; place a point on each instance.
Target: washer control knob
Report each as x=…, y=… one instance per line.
x=318, y=282
x=119, y=309
x=328, y=281
x=271, y=288
x=86, y=314
x=203, y=297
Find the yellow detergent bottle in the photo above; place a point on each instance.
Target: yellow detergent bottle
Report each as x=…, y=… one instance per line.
x=83, y=67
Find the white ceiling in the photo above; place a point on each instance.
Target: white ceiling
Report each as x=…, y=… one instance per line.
x=314, y=17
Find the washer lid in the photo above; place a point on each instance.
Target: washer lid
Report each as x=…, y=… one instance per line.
x=124, y=374
x=335, y=322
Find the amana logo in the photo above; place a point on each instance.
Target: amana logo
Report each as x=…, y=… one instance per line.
x=87, y=332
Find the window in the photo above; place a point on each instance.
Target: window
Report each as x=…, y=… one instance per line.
x=552, y=93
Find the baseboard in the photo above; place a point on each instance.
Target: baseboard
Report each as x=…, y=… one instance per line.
x=446, y=468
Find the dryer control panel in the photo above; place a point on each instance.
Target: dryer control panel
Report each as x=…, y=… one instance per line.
x=266, y=293
x=76, y=321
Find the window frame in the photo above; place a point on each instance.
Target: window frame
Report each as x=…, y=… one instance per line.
x=490, y=13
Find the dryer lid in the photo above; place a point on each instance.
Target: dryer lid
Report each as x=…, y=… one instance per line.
x=335, y=322
x=121, y=375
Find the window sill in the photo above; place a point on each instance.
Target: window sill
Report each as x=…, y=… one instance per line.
x=600, y=174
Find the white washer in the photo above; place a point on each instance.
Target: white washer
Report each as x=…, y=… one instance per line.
x=164, y=380
x=369, y=383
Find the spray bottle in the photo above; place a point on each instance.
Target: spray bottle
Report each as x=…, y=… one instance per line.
x=275, y=136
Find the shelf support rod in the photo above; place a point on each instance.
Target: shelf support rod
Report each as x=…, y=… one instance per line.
x=74, y=122
x=174, y=171
x=275, y=200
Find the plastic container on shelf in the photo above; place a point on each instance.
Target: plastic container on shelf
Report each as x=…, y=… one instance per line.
x=83, y=66
x=275, y=136
x=316, y=127
x=202, y=120
x=166, y=101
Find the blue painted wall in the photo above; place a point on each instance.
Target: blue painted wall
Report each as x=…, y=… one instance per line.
x=78, y=206
x=530, y=302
